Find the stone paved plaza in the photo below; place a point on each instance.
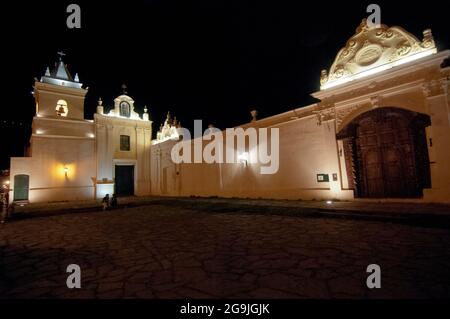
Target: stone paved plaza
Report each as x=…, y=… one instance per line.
x=188, y=250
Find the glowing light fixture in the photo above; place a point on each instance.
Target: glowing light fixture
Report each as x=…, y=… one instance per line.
x=66, y=170
x=329, y=202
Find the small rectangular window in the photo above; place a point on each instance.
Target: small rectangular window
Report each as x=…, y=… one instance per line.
x=124, y=143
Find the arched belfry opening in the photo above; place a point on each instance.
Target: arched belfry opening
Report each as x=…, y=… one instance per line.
x=386, y=153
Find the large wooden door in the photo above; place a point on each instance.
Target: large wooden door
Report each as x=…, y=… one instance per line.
x=387, y=157
x=124, y=180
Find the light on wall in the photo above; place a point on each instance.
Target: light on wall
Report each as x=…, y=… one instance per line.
x=66, y=170
x=243, y=158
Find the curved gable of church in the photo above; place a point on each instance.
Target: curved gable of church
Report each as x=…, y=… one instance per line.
x=374, y=49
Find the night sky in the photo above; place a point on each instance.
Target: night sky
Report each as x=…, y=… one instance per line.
x=210, y=60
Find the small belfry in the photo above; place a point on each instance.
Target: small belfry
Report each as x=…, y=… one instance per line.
x=60, y=75
x=58, y=94
x=123, y=108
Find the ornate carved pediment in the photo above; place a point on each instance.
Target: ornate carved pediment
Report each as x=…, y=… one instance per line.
x=372, y=50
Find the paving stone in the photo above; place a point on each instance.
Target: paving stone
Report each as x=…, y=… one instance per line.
x=166, y=250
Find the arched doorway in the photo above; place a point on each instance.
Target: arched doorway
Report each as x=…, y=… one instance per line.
x=386, y=153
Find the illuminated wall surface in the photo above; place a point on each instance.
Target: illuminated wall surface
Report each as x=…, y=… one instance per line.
x=328, y=150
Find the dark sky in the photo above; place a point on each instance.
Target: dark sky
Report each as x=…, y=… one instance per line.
x=210, y=60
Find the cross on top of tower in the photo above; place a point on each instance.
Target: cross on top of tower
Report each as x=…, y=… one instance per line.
x=124, y=89
x=61, y=54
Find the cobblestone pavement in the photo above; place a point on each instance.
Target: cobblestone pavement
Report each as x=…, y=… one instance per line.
x=163, y=251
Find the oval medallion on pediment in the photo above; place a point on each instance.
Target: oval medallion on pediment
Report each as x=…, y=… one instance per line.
x=368, y=55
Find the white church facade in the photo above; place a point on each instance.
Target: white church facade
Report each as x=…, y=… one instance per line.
x=380, y=129
x=72, y=158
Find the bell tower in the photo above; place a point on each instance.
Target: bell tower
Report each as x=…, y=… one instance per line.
x=58, y=94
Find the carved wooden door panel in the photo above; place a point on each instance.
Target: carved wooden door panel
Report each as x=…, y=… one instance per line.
x=370, y=159
x=373, y=172
x=386, y=156
x=394, y=175
x=386, y=153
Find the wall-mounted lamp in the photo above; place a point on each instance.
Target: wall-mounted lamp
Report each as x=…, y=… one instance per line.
x=66, y=170
x=243, y=158
x=7, y=182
